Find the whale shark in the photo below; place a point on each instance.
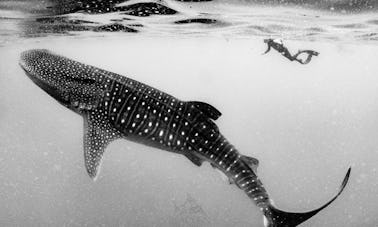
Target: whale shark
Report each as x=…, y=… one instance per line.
x=115, y=107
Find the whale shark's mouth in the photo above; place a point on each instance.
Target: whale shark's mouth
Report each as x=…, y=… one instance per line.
x=51, y=90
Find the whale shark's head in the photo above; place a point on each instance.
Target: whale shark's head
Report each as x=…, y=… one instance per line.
x=73, y=84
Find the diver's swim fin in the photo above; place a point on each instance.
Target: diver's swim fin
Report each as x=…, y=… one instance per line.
x=274, y=217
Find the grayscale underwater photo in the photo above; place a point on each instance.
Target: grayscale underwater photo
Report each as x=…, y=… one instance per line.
x=189, y=113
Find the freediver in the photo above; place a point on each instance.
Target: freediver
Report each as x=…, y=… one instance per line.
x=278, y=45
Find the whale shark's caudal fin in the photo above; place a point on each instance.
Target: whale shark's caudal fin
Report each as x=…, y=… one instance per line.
x=274, y=217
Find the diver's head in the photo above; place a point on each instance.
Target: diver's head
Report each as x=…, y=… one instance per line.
x=267, y=40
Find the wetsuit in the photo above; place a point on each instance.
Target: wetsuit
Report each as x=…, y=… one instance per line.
x=278, y=45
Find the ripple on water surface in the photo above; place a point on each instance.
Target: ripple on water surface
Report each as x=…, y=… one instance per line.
x=198, y=18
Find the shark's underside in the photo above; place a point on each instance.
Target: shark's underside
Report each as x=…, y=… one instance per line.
x=114, y=106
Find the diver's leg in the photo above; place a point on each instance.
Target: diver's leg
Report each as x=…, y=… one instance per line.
x=298, y=53
x=300, y=61
x=309, y=56
x=308, y=59
x=310, y=52
x=287, y=54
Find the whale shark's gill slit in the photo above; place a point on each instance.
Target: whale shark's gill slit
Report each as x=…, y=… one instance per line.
x=96, y=137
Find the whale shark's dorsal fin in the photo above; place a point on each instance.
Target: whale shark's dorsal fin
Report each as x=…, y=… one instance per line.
x=207, y=109
x=253, y=163
x=96, y=137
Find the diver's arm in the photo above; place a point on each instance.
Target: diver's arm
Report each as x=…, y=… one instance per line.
x=267, y=50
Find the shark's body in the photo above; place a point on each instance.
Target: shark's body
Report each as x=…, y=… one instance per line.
x=115, y=107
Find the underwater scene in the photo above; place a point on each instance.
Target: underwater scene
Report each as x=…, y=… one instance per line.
x=189, y=113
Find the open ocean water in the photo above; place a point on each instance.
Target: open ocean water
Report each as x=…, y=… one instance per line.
x=305, y=123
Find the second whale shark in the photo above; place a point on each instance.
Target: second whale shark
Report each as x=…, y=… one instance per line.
x=114, y=106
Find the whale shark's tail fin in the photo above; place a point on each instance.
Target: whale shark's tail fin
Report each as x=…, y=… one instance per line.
x=274, y=217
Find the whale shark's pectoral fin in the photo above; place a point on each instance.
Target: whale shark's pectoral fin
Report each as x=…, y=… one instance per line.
x=194, y=158
x=96, y=137
x=207, y=109
x=253, y=163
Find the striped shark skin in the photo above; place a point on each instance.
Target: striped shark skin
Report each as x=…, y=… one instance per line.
x=114, y=107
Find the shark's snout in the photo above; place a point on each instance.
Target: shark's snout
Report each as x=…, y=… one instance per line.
x=31, y=58
x=68, y=81
x=32, y=62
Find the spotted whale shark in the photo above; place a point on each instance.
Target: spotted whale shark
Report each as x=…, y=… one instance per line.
x=114, y=106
